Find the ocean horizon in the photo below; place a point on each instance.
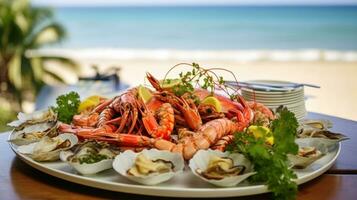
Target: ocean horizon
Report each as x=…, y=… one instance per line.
x=210, y=27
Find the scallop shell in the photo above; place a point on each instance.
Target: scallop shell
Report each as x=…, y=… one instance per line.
x=201, y=159
x=124, y=161
x=30, y=149
x=302, y=162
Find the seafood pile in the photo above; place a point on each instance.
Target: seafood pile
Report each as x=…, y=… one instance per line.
x=148, y=133
x=167, y=121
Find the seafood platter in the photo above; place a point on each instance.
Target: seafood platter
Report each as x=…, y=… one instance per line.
x=187, y=136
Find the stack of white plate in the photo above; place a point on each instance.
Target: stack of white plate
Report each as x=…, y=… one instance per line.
x=291, y=97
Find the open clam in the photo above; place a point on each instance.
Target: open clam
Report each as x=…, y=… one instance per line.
x=309, y=152
x=221, y=168
x=31, y=128
x=48, y=149
x=90, y=156
x=139, y=167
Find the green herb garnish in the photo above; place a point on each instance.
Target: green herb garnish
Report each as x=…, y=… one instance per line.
x=270, y=162
x=92, y=158
x=203, y=78
x=67, y=106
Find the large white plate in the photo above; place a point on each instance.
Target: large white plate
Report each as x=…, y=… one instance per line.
x=185, y=185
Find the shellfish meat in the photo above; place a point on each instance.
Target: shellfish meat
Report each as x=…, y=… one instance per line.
x=48, y=149
x=90, y=156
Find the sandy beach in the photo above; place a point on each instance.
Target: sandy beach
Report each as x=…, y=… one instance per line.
x=337, y=79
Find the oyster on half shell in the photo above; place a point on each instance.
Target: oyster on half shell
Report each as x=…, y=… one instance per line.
x=309, y=152
x=31, y=128
x=48, y=149
x=125, y=161
x=221, y=167
x=90, y=156
x=305, y=157
x=235, y=166
x=318, y=129
x=144, y=166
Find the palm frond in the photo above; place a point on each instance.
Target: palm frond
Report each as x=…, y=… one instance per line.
x=66, y=62
x=23, y=27
x=37, y=68
x=19, y=5
x=53, y=76
x=49, y=34
x=15, y=71
x=40, y=15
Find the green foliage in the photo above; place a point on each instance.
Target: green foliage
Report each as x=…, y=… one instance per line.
x=6, y=116
x=67, y=106
x=24, y=28
x=270, y=162
x=92, y=158
x=203, y=78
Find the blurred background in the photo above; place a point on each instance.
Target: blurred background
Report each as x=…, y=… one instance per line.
x=103, y=46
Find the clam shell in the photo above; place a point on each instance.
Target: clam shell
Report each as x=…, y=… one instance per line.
x=84, y=168
x=124, y=161
x=302, y=162
x=47, y=156
x=201, y=159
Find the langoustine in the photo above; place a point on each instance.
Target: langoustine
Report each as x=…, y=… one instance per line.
x=131, y=123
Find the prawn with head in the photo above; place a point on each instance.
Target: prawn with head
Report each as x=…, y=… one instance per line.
x=185, y=109
x=156, y=119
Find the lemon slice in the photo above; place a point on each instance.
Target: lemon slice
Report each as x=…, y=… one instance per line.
x=214, y=102
x=144, y=93
x=270, y=140
x=89, y=102
x=260, y=131
x=169, y=83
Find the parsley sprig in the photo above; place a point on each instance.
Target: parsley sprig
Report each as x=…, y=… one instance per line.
x=270, y=162
x=67, y=106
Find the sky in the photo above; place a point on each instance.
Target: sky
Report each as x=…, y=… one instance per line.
x=188, y=2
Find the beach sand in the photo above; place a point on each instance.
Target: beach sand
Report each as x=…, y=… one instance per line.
x=338, y=80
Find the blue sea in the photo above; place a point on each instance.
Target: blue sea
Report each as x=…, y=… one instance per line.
x=211, y=28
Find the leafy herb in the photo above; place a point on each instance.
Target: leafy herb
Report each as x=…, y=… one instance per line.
x=67, y=106
x=92, y=158
x=203, y=78
x=270, y=162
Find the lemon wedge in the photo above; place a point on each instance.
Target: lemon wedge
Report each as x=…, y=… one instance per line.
x=144, y=93
x=89, y=102
x=214, y=102
x=270, y=140
x=169, y=83
x=260, y=131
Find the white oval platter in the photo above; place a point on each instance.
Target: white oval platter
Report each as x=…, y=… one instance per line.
x=185, y=185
